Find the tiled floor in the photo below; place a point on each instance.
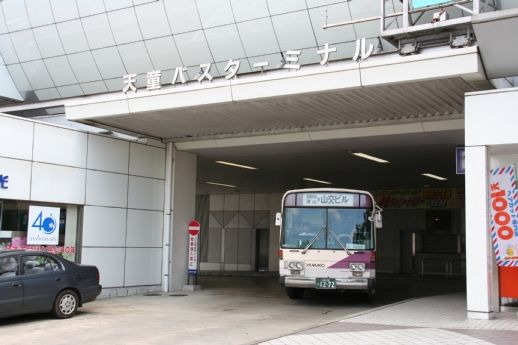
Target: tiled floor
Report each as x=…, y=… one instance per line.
x=431, y=320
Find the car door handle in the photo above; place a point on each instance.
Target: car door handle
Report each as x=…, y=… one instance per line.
x=60, y=279
x=16, y=284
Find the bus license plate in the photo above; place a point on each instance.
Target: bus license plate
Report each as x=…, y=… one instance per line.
x=325, y=283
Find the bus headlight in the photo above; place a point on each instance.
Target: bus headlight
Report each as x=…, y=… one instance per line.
x=296, y=265
x=357, y=267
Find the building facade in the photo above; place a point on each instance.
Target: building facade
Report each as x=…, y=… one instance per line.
x=125, y=115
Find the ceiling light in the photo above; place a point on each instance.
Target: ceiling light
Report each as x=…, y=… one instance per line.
x=317, y=181
x=236, y=165
x=221, y=184
x=372, y=158
x=434, y=176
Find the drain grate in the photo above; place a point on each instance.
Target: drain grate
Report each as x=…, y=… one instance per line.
x=177, y=295
x=152, y=294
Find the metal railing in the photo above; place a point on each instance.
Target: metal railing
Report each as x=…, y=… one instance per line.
x=407, y=11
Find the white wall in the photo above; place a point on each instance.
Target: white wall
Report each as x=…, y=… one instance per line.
x=491, y=141
x=119, y=183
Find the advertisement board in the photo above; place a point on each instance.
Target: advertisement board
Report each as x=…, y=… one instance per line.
x=427, y=3
x=504, y=215
x=43, y=225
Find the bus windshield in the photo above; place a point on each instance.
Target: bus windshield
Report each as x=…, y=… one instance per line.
x=327, y=228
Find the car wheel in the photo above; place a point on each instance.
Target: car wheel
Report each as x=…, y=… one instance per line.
x=66, y=304
x=294, y=293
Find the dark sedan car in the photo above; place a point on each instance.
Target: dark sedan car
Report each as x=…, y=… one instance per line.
x=36, y=282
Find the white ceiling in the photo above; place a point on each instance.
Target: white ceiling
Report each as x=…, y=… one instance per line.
x=397, y=102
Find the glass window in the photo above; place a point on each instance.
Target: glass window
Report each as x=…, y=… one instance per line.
x=249, y=9
x=3, y=26
x=294, y=30
x=39, y=12
x=70, y=91
x=350, y=228
x=302, y=226
x=84, y=67
x=163, y=53
x=25, y=45
x=215, y=12
x=284, y=6
x=8, y=266
x=72, y=36
x=193, y=48
x=182, y=15
x=109, y=62
x=98, y=32
x=94, y=87
x=224, y=43
x=332, y=14
x=116, y=4
x=329, y=228
x=7, y=49
x=258, y=37
x=60, y=71
x=90, y=7
x=44, y=94
x=14, y=228
x=64, y=10
x=48, y=41
x=135, y=57
x=37, y=73
x=38, y=264
x=124, y=26
x=152, y=20
x=16, y=15
x=19, y=77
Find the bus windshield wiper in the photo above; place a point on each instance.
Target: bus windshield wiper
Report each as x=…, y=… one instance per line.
x=313, y=240
x=339, y=242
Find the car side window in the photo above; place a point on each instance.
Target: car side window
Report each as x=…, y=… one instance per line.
x=8, y=266
x=37, y=264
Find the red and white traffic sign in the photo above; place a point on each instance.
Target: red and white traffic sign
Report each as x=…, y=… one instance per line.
x=194, y=230
x=194, y=227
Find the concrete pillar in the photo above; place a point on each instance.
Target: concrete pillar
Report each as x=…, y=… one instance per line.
x=481, y=272
x=183, y=195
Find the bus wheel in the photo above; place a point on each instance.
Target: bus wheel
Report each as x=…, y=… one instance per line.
x=370, y=295
x=294, y=293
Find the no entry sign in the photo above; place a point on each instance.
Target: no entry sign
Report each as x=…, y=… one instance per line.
x=194, y=231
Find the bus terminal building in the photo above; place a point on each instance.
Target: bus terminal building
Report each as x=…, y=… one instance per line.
x=134, y=118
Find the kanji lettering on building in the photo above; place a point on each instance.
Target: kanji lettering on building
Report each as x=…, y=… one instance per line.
x=4, y=179
x=129, y=81
x=291, y=62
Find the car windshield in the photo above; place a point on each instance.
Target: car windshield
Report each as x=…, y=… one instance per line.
x=333, y=228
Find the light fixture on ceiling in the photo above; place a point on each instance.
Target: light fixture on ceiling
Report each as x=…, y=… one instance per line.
x=440, y=178
x=221, y=184
x=236, y=165
x=369, y=157
x=317, y=181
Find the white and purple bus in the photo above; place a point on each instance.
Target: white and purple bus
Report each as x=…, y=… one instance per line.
x=327, y=240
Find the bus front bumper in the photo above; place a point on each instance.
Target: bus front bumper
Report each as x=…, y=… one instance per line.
x=341, y=283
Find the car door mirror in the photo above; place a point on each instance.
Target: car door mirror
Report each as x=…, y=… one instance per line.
x=278, y=219
x=378, y=221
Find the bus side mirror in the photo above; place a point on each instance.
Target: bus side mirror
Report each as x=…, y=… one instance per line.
x=278, y=219
x=378, y=219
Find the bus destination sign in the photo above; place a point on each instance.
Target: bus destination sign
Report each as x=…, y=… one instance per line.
x=328, y=199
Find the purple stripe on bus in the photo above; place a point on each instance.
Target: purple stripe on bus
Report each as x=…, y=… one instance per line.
x=356, y=257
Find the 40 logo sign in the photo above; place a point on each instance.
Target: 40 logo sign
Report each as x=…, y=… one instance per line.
x=43, y=227
x=47, y=225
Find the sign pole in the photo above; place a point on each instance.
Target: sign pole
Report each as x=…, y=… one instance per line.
x=193, y=231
